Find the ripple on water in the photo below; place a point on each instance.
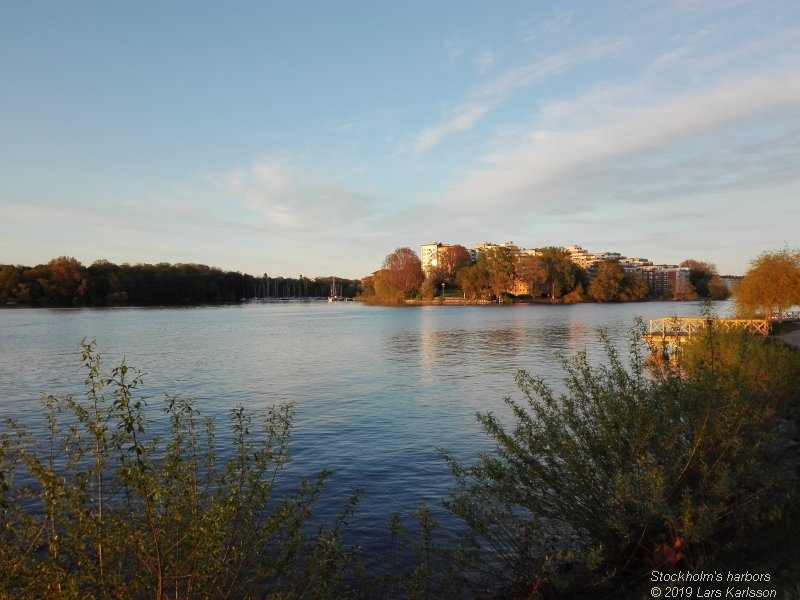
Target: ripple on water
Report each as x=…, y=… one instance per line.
x=376, y=390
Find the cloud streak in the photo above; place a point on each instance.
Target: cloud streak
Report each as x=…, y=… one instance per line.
x=546, y=156
x=289, y=200
x=487, y=97
x=462, y=118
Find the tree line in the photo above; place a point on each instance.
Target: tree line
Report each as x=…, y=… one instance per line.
x=503, y=273
x=64, y=281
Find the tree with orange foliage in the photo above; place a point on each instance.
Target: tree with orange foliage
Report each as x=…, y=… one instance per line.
x=402, y=271
x=770, y=286
x=67, y=283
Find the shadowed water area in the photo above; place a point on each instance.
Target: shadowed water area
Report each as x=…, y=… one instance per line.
x=377, y=390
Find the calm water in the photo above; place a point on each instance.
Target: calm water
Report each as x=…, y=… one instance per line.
x=377, y=390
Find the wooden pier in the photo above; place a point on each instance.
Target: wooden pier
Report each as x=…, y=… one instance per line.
x=665, y=336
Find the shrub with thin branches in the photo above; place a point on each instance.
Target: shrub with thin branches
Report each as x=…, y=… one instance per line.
x=630, y=469
x=101, y=508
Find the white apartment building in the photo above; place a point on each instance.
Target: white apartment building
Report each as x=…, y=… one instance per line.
x=429, y=255
x=586, y=259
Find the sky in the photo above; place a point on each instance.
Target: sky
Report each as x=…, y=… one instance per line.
x=315, y=137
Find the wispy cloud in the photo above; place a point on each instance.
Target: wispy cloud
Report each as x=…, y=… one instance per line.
x=281, y=208
x=290, y=200
x=553, y=24
x=485, y=61
x=490, y=95
x=462, y=118
x=512, y=175
x=453, y=48
x=559, y=21
x=382, y=118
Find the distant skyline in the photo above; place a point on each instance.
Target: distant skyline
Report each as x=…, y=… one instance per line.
x=316, y=137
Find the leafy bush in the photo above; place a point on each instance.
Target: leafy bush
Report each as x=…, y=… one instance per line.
x=101, y=508
x=630, y=470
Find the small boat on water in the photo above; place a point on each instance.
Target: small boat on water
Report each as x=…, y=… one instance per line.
x=333, y=296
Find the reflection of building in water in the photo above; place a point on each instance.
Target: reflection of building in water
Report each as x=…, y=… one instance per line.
x=428, y=345
x=443, y=351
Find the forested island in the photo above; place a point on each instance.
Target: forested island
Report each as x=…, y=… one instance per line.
x=504, y=274
x=64, y=281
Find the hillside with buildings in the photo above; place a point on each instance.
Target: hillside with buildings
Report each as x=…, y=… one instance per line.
x=508, y=272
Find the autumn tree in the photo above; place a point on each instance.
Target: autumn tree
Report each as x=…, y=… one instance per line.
x=700, y=274
x=681, y=289
x=449, y=261
x=454, y=258
x=612, y=284
x=770, y=286
x=634, y=288
x=607, y=284
x=717, y=288
x=402, y=271
x=473, y=280
x=532, y=272
x=63, y=281
x=379, y=289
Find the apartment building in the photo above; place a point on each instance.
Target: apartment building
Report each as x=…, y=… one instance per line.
x=666, y=280
x=586, y=260
x=430, y=254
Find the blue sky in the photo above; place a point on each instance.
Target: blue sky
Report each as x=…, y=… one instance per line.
x=314, y=138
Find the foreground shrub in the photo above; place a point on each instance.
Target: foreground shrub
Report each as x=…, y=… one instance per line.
x=99, y=507
x=629, y=470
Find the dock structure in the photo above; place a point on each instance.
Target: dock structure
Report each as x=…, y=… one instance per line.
x=665, y=336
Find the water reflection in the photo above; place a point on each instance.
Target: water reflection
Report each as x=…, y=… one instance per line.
x=377, y=389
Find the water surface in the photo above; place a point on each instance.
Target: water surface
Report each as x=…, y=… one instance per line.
x=376, y=389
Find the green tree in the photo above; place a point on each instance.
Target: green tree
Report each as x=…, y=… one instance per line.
x=700, y=274
x=10, y=278
x=500, y=265
x=612, y=283
x=562, y=275
x=770, y=286
x=717, y=288
x=451, y=260
x=634, y=288
x=474, y=280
